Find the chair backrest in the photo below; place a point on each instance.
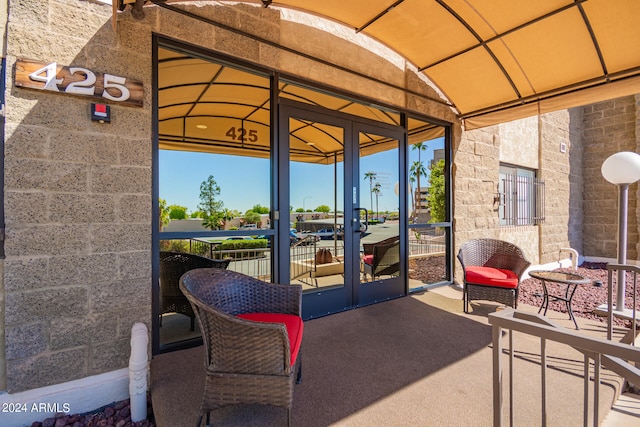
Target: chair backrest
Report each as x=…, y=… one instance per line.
x=368, y=247
x=493, y=253
x=233, y=344
x=386, y=258
x=174, y=264
x=231, y=292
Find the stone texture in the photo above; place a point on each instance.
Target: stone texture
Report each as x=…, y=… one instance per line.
x=26, y=208
x=26, y=273
x=47, y=239
x=109, y=356
x=82, y=269
x=69, y=332
x=120, y=294
x=120, y=179
x=29, y=174
x=609, y=127
x=26, y=340
x=46, y=304
x=121, y=237
x=26, y=141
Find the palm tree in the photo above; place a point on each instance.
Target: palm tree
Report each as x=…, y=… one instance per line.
x=371, y=176
x=412, y=179
x=417, y=169
x=376, y=190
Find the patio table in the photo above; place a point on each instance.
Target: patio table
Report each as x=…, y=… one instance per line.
x=572, y=281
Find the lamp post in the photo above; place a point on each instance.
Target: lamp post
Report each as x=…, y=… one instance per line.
x=622, y=169
x=304, y=199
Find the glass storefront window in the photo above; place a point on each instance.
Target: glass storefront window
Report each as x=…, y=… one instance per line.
x=427, y=198
x=214, y=176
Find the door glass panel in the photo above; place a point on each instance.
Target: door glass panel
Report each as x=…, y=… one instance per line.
x=316, y=195
x=379, y=194
x=426, y=204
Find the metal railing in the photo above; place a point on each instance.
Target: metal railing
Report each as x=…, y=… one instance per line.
x=254, y=262
x=616, y=357
x=302, y=256
x=426, y=241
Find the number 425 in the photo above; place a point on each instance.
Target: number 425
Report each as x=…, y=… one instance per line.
x=241, y=134
x=47, y=75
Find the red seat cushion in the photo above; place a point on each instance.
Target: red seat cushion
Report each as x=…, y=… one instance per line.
x=491, y=277
x=368, y=259
x=293, y=323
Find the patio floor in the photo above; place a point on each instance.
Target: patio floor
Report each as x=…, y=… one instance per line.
x=417, y=360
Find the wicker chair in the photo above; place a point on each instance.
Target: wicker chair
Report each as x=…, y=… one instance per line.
x=492, y=271
x=381, y=258
x=252, y=331
x=172, y=266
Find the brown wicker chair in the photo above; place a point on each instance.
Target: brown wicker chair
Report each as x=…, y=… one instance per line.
x=246, y=361
x=172, y=266
x=502, y=265
x=381, y=258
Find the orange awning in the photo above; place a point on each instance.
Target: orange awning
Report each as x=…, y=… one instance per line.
x=499, y=60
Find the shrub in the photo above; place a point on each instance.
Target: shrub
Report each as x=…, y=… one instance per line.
x=236, y=245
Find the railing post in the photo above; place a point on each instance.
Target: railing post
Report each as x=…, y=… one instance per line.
x=543, y=367
x=597, y=362
x=585, y=392
x=497, y=376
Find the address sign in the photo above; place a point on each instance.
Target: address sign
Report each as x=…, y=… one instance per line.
x=77, y=81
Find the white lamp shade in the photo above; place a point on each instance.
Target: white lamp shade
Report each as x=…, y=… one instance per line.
x=622, y=168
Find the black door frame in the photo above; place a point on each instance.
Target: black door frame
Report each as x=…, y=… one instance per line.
x=353, y=294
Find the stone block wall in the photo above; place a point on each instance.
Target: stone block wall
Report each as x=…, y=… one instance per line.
x=77, y=273
x=531, y=143
x=609, y=127
x=560, y=168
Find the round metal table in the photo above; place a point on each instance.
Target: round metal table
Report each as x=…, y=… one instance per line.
x=570, y=279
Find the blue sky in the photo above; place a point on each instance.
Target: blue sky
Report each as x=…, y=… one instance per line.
x=245, y=181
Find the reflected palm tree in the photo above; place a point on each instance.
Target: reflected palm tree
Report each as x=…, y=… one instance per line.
x=376, y=190
x=412, y=179
x=418, y=168
x=371, y=176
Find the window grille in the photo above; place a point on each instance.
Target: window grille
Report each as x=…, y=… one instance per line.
x=522, y=197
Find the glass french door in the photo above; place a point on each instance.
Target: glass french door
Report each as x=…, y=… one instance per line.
x=339, y=178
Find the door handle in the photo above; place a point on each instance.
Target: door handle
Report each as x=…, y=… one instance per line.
x=357, y=218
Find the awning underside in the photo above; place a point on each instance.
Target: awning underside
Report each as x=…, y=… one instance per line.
x=498, y=60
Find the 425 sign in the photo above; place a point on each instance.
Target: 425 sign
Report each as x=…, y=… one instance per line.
x=77, y=81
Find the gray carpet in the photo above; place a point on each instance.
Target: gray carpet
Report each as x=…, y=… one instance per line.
x=414, y=361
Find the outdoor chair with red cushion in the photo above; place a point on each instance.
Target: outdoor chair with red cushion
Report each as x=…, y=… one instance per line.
x=381, y=258
x=252, y=333
x=492, y=271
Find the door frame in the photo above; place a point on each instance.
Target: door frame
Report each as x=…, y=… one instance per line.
x=352, y=294
x=366, y=293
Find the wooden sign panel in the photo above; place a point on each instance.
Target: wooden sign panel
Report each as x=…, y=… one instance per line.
x=78, y=81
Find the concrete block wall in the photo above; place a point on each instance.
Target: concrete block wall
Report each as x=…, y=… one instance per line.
x=531, y=143
x=78, y=193
x=560, y=168
x=609, y=127
x=77, y=272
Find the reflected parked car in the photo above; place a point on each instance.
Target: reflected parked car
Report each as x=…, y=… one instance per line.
x=307, y=238
x=326, y=233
